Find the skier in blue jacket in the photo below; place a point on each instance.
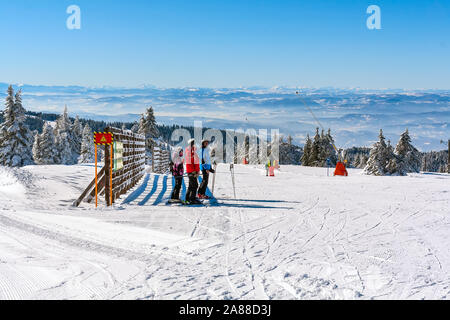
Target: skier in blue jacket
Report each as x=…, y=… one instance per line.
x=205, y=167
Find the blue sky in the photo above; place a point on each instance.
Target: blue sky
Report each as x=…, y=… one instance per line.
x=226, y=43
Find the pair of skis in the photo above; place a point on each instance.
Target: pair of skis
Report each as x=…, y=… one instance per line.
x=233, y=180
x=187, y=204
x=203, y=203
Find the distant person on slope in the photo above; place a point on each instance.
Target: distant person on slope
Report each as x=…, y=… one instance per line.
x=177, y=169
x=193, y=171
x=206, y=168
x=268, y=165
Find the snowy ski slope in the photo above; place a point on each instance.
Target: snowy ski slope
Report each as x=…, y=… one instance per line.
x=300, y=235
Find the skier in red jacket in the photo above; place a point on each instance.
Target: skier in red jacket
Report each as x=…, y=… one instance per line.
x=193, y=171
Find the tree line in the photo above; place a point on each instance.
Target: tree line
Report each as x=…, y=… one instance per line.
x=320, y=151
x=32, y=137
x=62, y=141
x=385, y=160
x=382, y=159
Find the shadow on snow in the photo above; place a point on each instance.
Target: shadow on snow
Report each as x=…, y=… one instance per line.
x=214, y=202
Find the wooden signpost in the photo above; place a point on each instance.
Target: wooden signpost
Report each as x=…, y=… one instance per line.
x=103, y=139
x=124, y=165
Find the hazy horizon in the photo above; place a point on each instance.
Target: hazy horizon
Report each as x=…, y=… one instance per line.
x=355, y=116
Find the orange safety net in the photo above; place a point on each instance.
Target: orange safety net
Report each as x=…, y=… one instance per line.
x=340, y=170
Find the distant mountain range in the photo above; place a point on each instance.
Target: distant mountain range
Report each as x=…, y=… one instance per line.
x=355, y=116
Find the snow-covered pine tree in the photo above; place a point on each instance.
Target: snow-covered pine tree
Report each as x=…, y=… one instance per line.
x=135, y=127
x=379, y=158
x=241, y=147
x=408, y=157
x=77, y=137
x=148, y=128
x=392, y=163
x=16, y=139
x=37, y=148
x=87, y=146
x=331, y=152
x=315, y=150
x=433, y=161
x=20, y=110
x=289, y=140
x=327, y=150
x=357, y=162
x=290, y=154
x=252, y=150
x=64, y=139
x=307, y=149
x=44, y=148
x=8, y=114
x=363, y=162
x=324, y=144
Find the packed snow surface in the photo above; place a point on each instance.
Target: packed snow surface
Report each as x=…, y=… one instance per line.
x=299, y=235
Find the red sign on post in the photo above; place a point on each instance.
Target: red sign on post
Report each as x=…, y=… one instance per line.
x=103, y=138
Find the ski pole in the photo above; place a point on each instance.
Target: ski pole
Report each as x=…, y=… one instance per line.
x=214, y=178
x=232, y=179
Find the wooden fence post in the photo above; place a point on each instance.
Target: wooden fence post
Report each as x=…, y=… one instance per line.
x=448, y=163
x=107, y=175
x=153, y=158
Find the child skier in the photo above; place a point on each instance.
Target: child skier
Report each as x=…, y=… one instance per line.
x=193, y=171
x=268, y=165
x=177, y=169
x=206, y=168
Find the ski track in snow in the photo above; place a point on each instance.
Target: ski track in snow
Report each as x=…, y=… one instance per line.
x=300, y=235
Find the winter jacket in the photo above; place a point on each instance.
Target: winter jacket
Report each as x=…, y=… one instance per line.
x=192, y=160
x=205, y=159
x=177, y=163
